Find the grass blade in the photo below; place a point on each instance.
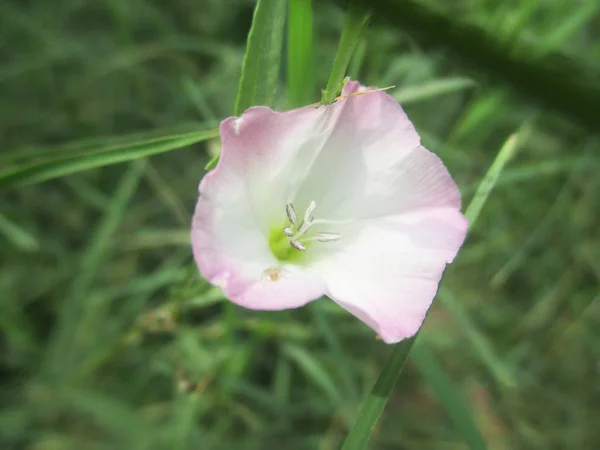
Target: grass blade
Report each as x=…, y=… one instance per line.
x=373, y=406
x=37, y=172
x=62, y=355
x=431, y=89
x=20, y=238
x=300, y=63
x=356, y=23
x=260, y=70
x=489, y=180
x=446, y=392
x=314, y=372
x=480, y=343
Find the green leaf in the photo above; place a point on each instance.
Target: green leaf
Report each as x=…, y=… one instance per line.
x=260, y=70
x=448, y=394
x=300, y=55
x=356, y=23
x=78, y=161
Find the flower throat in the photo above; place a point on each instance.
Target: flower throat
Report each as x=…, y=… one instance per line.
x=290, y=243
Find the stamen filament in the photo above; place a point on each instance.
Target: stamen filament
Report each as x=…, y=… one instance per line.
x=296, y=234
x=291, y=213
x=323, y=237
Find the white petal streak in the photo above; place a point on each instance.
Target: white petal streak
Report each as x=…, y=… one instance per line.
x=388, y=274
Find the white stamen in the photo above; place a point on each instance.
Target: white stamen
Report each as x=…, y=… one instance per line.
x=296, y=237
x=327, y=237
x=332, y=222
x=308, y=214
x=323, y=237
x=303, y=228
x=297, y=245
x=291, y=213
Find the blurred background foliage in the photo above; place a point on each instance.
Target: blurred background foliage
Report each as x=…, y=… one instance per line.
x=109, y=339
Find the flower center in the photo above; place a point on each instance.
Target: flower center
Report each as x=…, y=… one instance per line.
x=289, y=243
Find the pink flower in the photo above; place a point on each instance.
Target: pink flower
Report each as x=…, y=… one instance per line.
x=340, y=200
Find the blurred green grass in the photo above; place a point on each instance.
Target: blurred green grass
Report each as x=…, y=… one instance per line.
x=111, y=340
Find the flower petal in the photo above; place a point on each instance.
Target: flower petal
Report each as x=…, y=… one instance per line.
x=379, y=165
x=388, y=274
x=266, y=155
x=232, y=252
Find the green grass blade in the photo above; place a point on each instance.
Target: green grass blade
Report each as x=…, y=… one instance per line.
x=341, y=360
x=300, y=60
x=482, y=347
x=20, y=238
x=37, y=172
x=358, y=58
x=489, y=180
x=431, y=89
x=260, y=70
x=62, y=357
x=569, y=26
x=373, y=406
x=96, y=143
x=314, y=371
x=356, y=23
x=447, y=393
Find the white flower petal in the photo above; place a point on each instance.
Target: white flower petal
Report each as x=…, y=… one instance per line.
x=388, y=272
x=373, y=164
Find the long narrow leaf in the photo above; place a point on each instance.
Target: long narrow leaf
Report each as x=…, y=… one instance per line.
x=262, y=60
x=90, y=159
x=356, y=22
x=300, y=66
x=260, y=70
x=373, y=406
x=489, y=180
x=431, y=89
x=447, y=393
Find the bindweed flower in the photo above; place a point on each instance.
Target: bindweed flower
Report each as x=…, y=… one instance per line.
x=340, y=200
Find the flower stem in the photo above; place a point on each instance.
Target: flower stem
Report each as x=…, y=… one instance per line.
x=356, y=22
